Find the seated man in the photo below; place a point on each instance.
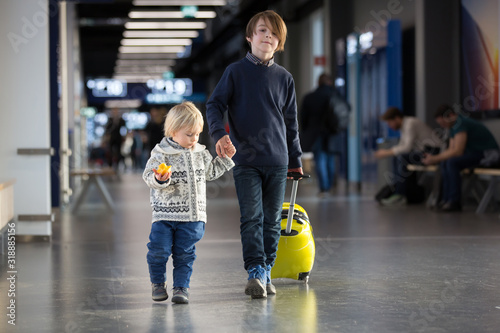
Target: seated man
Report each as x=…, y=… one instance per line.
x=469, y=139
x=416, y=138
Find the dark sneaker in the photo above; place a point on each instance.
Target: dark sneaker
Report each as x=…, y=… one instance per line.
x=257, y=280
x=180, y=295
x=394, y=200
x=451, y=207
x=159, y=292
x=270, y=288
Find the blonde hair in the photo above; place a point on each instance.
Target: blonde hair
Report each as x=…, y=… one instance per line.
x=277, y=25
x=183, y=116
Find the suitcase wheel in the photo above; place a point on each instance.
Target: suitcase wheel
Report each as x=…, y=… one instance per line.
x=304, y=277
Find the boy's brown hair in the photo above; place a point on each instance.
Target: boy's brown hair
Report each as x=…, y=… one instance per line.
x=274, y=21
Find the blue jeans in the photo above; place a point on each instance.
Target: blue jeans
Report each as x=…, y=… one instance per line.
x=260, y=193
x=452, y=181
x=177, y=239
x=324, y=162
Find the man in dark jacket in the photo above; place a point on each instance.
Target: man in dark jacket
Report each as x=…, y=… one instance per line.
x=318, y=128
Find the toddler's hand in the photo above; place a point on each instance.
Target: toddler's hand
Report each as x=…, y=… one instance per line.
x=162, y=177
x=230, y=150
x=222, y=145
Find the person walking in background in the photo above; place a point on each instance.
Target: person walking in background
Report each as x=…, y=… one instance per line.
x=319, y=128
x=416, y=139
x=469, y=140
x=259, y=98
x=178, y=199
x=115, y=138
x=154, y=128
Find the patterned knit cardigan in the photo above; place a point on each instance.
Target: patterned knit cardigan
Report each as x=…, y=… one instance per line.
x=182, y=197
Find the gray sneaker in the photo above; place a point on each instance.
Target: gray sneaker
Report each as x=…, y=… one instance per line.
x=180, y=295
x=394, y=200
x=159, y=292
x=256, y=282
x=270, y=288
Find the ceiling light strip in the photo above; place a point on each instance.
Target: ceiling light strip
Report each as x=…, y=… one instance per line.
x=161, y=34
x=165, y=25
x=146, y=68
x=151, y=49
x=179, y=2
x=154, y=73
x=144, y=62
x=137, y=78
x=169, y=15
x=156, y=42
x=147, y=56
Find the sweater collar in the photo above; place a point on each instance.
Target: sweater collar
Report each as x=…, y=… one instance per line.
x=169, y=146
x=258, y=62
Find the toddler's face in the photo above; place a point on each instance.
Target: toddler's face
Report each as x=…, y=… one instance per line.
x=187, y=137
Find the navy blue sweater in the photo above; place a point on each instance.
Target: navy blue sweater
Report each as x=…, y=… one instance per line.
x=262, y=113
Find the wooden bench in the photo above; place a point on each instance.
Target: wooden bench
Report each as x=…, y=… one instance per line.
x=494, y=175
x=93, y=176
x=6, y=208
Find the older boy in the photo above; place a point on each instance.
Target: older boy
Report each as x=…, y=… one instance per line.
x=259, y=97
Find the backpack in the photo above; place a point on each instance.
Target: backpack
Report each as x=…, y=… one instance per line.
x=341, y=109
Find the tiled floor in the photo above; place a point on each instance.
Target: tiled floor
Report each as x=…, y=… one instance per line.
x=377, y=270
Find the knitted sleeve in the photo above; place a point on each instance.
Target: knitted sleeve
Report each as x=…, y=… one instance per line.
x=215, y=167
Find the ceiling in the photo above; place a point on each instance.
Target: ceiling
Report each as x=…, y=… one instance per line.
x=100, y=39
x=101, y=27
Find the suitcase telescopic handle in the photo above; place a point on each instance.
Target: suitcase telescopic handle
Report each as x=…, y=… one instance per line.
x=296, y=176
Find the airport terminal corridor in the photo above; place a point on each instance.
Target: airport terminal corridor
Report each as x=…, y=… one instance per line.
x=377, y=269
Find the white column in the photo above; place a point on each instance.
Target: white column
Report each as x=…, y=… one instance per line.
x=25, y=114
x=67, y=94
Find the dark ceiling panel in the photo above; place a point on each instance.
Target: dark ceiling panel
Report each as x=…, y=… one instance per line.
x=100, y=35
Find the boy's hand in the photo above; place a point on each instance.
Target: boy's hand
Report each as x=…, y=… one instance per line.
x=222, y=145
x=299, y=170
x=162, y=177
x=230, y=151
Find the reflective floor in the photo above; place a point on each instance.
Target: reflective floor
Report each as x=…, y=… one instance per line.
x=377, y=269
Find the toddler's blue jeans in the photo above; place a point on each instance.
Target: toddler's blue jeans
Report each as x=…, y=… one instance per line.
x=177, y=239
x=260, y=193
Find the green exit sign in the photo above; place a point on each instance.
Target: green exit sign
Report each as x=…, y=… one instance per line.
x=189, y=11
x=168, y=75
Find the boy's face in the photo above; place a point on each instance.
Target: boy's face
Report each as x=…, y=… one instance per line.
x=264, y=42
x=187, y=138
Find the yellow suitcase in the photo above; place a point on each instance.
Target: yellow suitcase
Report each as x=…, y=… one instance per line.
x=296, y=248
